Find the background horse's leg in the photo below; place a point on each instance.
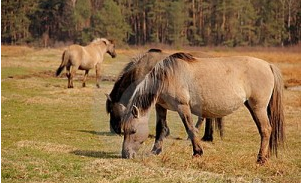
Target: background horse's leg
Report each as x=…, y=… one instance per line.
x=68, y=74
x=72, y=74
x=220, y=126
x=208, y=135
x=98, y=71
x=199, y=123
x=85, y=78
x=162, y=129
x=185, y=114
x=261, y=119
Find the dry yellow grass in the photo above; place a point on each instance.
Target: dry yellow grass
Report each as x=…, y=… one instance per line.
x=54, y=134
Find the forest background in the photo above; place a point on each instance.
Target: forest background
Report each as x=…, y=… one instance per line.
x=139, y=22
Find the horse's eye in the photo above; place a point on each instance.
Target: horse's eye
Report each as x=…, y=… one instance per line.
x=133, y=130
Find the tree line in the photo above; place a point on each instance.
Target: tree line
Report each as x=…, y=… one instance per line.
x=139, y=22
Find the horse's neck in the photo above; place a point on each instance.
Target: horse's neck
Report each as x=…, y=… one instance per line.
x=100, y=48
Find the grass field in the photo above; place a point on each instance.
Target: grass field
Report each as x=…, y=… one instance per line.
x=53, y=134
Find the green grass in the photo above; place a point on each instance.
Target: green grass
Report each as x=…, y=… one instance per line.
x=53, y=134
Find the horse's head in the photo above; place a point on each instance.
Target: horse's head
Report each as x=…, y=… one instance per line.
x=135, y=132
x=110, y=47
x=116, y=111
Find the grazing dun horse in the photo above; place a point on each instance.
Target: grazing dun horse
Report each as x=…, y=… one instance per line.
x=85, y=58
x=119, y=97
x=211, y=88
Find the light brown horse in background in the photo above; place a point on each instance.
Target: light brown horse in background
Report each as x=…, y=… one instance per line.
x=210, y=88
x=85, y=58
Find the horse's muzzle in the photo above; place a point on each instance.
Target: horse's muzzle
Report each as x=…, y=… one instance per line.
x=113, y=55
x=128, y=154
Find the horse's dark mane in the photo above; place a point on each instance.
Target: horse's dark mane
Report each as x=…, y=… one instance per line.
x=150, y=87
x=126, y=77
x=184, y=56
x=154, y=50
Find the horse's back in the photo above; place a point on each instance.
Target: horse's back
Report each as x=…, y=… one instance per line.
x=83, y=57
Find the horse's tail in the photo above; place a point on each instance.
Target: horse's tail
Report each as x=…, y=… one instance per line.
x=63, y=64
x=275, y=111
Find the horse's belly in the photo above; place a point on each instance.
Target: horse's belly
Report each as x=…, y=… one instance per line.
x=217, y=105
x=215, y=111
x=86, y=65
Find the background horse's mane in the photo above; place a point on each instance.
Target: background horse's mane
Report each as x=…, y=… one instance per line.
x=105, y=40
x=149, y=88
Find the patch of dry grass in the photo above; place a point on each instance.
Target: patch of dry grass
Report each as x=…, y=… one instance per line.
x=45, y=146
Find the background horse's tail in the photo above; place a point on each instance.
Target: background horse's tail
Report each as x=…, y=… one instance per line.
x=63, y=64
x=275, y=111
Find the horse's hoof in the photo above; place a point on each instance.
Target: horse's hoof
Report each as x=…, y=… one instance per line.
x=261, y=160
x=197, y=155
x=207, y=139
x=157, y=151
x=97, y=86
x=84, y=84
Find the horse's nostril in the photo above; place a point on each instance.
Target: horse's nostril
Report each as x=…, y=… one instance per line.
x=128, y=154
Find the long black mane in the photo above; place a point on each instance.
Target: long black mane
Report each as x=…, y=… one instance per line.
x=126, y=77
x=126, y=83
x=150, y=87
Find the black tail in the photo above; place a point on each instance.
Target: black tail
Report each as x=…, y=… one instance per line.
x=62, y=66
x=59, y=70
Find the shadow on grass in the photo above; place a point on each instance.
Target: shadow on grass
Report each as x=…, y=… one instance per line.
x=95, y=154
x=98, y=133
x=151, y=136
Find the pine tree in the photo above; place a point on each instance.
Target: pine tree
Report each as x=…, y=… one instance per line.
x=109, y=22
x=176, y=23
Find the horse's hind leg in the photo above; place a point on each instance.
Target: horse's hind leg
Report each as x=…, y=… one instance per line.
x=261, y=119
x=85, y=78
x=68, y=74
x=162, y=129
x=208, y=135
x=71, y=76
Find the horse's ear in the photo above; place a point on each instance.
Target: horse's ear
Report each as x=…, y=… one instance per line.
x=108, y=97
x=135, y=111
x=104, y=42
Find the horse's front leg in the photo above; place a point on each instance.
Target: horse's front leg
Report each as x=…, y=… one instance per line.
x=98, y=71
x=185, y=114
x=162, y=129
